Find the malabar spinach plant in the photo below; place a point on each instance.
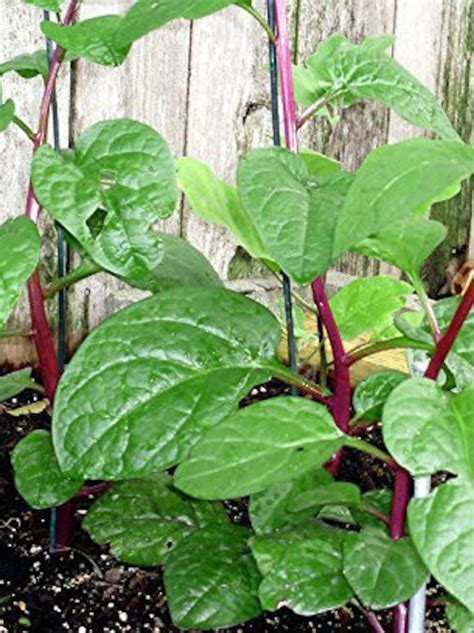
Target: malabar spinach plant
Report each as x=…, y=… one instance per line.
x=149, y=404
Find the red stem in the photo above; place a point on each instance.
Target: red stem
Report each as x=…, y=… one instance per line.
x=42, y=335
x=401, y=492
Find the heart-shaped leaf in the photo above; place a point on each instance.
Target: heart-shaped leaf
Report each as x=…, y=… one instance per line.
x=294, y=213
x=120, y=181
x=367, y=304
x=269, y=509
x=27, y=65
x=381, y=571
x=150, y=380
x=428, y=430
x=20, y=247
x=38, y=477
x=144, y=519
x=371, y=394
x=211, y=579
x=394, y=181
x=261, y=445
x=302, y=569
x=7, y=113
x=442, y=529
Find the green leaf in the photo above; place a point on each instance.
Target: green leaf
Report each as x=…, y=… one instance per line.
x=295, y=213
x=371, y=394
x=215, y=201
x=318, y=164
x=28, y=65
x=428, y=430
x=144, y=519
x=211, y=580
x=183, y=265
x=94, y=39
x=7, y=114
x=394, y=181
x=273, y=441
x=345, y=73
x=443, y=532
x=406, y=244
x=269, y=509
x=302, y=569
x=120, y=181
x=381, y=571
x=335, y=493
x=367, y=304
x=380, y=500
x=38, y=477
x=48, y=5
x=150, y=380
x=20, y=246
x=14, y=383
x=460, y=619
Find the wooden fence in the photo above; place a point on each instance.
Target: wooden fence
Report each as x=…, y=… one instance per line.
x=204, y=87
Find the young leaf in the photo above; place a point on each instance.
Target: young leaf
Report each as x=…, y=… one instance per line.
x=344, y=73
x=318, y=164
x=20, y=246
x=273, y=441
x=120, y=180
x=406, y=244
x=382, y=572
x=428, y=430
x=371, y=394
x=211, y=579
x=302, y=569
x=144, y=519
x=295, y=214
x=216, y=201
x=335, y=493
x=460, y=619
x=443, y=532
x=14, y=383
x=137, y=395
x=269, y=509
x=367, y=304
x=394, y=181
x=379, y=500
x=28, y=65
x=38, y=477
x=7, y=113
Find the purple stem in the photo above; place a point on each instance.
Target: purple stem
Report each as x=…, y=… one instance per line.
x=42, y=334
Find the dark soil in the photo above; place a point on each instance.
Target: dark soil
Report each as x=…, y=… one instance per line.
x=86, y=590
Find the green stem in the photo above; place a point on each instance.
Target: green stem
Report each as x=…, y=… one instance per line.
x=310, y=112
x=24, y=127
x=81, y=272
x=303, y=384
x=381, y=346
x=427, y=308
x=370, y=449
x=260, y=19
x=375, y=513
x=14, y=334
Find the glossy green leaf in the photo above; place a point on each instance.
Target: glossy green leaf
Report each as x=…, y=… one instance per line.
x=335, y=493
x=273, y=441
x=217, y=202
x=38, y=477
x=367, y=304
x=7, y=113
x=406, y=244
x=394, y=181
x=302, y=569
x=269, y=510
x=379, y=500
x=295, y=213
x=120, y=181
x=144, y=519
x=442, y=529
x=371, y=394
x=460, y=619
x=382, y=572
x=28, y=65
x=148, y=381
x=345, y=73
x=15, y=382
x=211, y=580
x=428, y=430
x=94, y=39
x=20, y=247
